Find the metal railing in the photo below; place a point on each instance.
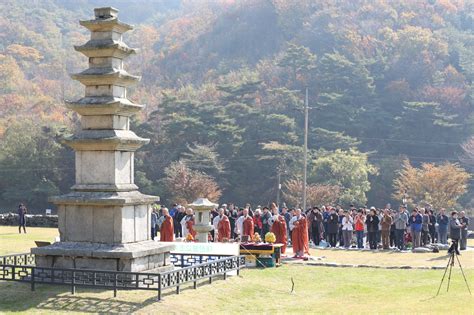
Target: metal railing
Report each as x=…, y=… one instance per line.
x=191, y=269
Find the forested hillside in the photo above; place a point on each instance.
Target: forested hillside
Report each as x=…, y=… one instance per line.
x=224, y=86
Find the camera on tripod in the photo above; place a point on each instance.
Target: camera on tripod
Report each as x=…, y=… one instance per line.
x=454, y=247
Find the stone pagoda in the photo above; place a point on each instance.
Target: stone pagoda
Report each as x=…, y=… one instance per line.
x=104, y=223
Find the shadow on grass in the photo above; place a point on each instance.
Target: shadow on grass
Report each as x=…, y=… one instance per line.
x=444, y=257
x=17, y=297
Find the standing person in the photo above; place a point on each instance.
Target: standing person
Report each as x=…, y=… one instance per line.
x=244, y=225
x=299, y=231
x=333, y=224
x=315, y=221
x=386, y=224
x=464, y=225
x=154, y=223
x=279, y=229
x=287, y=215
x=187, y=224
x=347, y=228
x=223, y=227
x=266, y=221
x=432, y=226
x=379, y=232
x=325, y=222
x=232, y=218
x=177, y=218
x=443, y=222
x=392, y=229
x=166, y=230
x=454, y=232
x=359, y=228
x=415, y=228
x=340, y=214
x=425, y=229
x=257, y=221
x=372, y=222
x=22, y=211
x=401, y=221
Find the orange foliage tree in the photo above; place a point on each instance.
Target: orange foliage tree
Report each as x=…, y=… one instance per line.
x=185, y=185
x=315, y=194
x=437, y=185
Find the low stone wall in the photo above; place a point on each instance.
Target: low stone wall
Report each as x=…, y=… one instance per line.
x=39, y=220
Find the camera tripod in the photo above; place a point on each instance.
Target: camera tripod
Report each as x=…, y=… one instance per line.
x=452, y=254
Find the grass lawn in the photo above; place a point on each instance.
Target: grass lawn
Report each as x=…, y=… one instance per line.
x=317, y=289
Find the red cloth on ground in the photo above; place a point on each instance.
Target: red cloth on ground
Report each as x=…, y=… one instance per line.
x=299, y=236
x=167, y=230
x=223, y=229
x=248, y=227
x=279, y=229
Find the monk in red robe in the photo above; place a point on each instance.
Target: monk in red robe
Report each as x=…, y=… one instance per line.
x=223, y=227
x=167, y=229
x=279, y=229
x=190, y=227
x=299, y=234
x=247, y=224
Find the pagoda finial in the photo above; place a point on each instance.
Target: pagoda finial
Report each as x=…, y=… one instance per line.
x=105, y=13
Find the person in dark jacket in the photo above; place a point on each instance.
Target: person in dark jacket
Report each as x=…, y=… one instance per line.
x=22, y=218
x=425, y=226
x=339, y=232
x=464, y=225
x=416, y=223
x=333, y=227
x=432, y=226
x=315, y=223
x=454, y=232
x=443, y=222
x=372, y=222
x=266, y=222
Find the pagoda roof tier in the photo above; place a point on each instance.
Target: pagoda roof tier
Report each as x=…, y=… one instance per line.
x=106, y=25
x=105, y=140
x=106, y=76
x=104, y=105
x=105, y=48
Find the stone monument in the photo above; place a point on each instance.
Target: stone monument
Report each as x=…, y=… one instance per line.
x=104, y=223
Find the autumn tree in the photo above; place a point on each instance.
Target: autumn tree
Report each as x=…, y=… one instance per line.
x=437, y=185
x=185, y=185
x=316, y=194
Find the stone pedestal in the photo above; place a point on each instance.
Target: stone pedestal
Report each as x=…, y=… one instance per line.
x=104, y=223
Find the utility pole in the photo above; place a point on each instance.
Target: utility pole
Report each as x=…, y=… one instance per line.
x=305, y=149
x=279, y=187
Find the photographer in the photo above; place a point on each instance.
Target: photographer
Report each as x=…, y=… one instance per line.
x=455, y=232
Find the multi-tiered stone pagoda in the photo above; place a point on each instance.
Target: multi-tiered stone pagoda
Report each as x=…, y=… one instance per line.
x=104, y=223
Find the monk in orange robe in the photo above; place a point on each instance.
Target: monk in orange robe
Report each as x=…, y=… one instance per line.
x=299, y=234
x=190, y=227
x=279, y=229
x=167, y=230
x=247, y=225
x=223, y=227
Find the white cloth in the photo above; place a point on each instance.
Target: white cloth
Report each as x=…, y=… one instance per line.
x=184, y=228
x=293, y=220
x=347, y=224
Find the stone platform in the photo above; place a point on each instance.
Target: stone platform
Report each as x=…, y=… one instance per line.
x=147, y=256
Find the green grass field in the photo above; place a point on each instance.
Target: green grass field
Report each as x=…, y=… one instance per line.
x=317, y=289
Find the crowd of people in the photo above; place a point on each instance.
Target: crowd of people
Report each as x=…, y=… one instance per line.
x=327, y=226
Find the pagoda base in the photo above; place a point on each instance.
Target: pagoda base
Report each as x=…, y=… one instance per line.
x=134, y=257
